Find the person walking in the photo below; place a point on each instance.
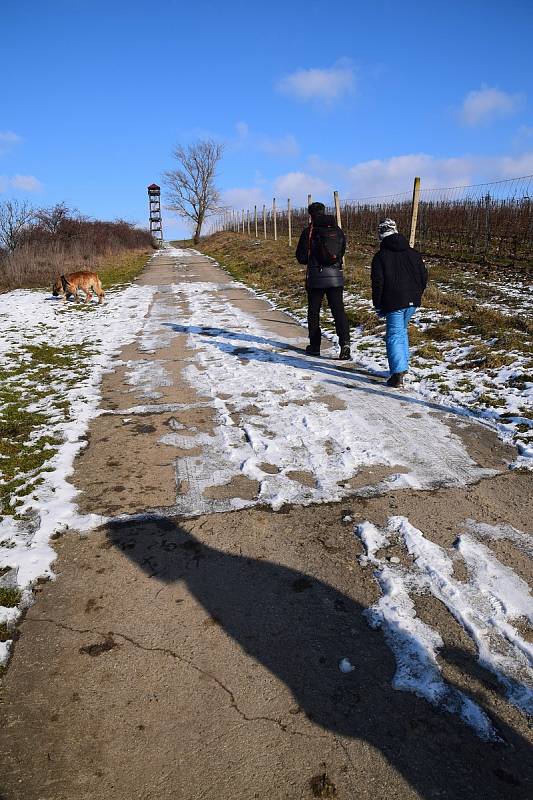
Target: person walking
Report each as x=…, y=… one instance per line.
x=321, y=247
x=399, y=278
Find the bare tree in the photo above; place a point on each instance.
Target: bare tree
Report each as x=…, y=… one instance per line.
x=15, y=216
x=52, y=218
x=192, y=192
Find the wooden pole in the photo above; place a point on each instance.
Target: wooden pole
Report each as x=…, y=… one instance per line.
x=338, y=217
x=289, y=221
x=255, y=220
x=274, y=218
x=248, y=220
x=264, y=222
x=243, y=220
x=414, y=211
x=337, y=208
x=309, y=201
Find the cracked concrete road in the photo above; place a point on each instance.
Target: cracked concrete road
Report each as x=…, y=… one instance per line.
x=196, y=657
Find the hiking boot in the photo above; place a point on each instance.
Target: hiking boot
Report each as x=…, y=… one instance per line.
x=311, y=351
x=396, y=380
x=345, y=354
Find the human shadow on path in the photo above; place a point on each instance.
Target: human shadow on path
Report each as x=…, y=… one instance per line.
x=346, y=377
x=298, y=628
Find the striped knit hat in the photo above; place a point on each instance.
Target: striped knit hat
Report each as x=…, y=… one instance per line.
x=386, y=228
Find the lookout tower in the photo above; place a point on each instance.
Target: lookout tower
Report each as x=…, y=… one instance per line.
x=154, y=203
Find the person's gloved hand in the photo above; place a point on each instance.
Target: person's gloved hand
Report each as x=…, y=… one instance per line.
x=380, y=313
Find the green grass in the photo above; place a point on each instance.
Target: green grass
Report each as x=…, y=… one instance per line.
x=123, y=268
x=5, y=634
x=9, y=598
x=25, y=444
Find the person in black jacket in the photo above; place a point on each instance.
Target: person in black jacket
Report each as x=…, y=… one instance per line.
x=322, y=246
x=399, y=278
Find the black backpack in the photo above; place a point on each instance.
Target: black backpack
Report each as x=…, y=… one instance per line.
x=328, y=245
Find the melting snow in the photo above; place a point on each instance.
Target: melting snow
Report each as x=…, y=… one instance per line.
x=485, y=606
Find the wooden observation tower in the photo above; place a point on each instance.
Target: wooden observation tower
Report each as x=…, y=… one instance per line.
x=154, y=203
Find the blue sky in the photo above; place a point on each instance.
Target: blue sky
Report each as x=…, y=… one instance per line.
x=308, y=99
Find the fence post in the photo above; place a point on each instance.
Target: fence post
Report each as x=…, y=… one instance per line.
x=248, y=220
x=337, y=208
x=414, y=211
x=264, y=222
x=487, y=224
x=338, y=217
x=274, y=217
x=289, y=221
x=309, y=201
x=255, y=220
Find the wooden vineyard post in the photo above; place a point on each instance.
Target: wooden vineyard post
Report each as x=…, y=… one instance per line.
x=338, y=217
x=309, y=201
x=274, y=218
x=242, y=220
x=248, y=220
x=414, y=211
x=264, y=222
x=255, y=220
x=289, y=221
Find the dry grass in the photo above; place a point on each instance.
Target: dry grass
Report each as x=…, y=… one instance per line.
x=271, y=266
x=78, y=244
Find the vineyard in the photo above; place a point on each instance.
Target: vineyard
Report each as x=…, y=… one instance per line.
x=490, y=222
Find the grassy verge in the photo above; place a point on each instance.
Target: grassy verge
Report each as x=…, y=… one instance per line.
x=271, y=266
x=123, y=268
x=33, y=381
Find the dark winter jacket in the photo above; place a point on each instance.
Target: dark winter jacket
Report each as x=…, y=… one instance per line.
x=318, y=275
x=399, y=275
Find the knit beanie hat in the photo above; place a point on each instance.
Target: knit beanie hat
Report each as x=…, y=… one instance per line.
x=386, y=228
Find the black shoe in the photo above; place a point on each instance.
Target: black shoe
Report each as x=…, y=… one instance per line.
x=396, y=380
x=311, y=351
x=345, y=354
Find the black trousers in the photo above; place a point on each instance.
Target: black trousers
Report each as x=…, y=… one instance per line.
x=336, y=304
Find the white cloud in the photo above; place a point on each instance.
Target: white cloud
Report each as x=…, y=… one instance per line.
x=26, y=183
x=392, y=175
x=275, y=146
x=324, y=85
x=297, y=185
x=241, y=197
x=395, y=175
x=281, y=147
x=488, y=104
x=8, y=139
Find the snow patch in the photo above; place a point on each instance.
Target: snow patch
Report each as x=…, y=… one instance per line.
x=485, y=606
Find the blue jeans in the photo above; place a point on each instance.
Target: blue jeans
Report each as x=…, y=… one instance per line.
x=397, y=340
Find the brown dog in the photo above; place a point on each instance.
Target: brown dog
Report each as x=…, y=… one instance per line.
x=69, y=284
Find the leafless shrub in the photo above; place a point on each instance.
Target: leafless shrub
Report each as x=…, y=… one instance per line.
x=61, y=241
x=15, y=216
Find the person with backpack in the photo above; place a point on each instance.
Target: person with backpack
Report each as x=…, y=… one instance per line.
x=321, y=247
x=399, y=278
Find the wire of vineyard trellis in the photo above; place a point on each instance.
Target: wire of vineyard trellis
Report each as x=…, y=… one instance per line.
x=487, y=221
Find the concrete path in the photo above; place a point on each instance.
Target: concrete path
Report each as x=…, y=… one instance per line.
x=190, y=648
